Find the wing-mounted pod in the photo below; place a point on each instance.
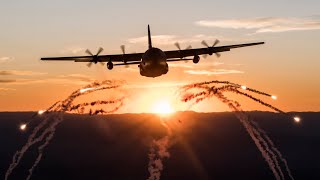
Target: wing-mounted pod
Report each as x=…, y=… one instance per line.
x=110, y=65
x=196, y=59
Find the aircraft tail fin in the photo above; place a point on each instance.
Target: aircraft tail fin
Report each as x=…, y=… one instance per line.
x=149, y=37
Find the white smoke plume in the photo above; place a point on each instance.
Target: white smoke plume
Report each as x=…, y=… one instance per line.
x=267, y=148
x=159, y=151
x=53, y=116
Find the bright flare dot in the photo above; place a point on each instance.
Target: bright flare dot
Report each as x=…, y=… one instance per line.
x=41, y=112
x=297, y=119
x=86, y=89
x=244, y=87
x=162, y=107
x=23, y=127
x=274, y=97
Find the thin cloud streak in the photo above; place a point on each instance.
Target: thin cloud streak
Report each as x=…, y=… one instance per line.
x=155, y=85
x=171, y=39
x=6, y=59
x=190, y=65
x=77, y=79
x=42, y=81
x=181, y=65
x=158, y=39
x=131, y=68
x=19, y=73
x=7, y=89
x=213, y=72
x=265, y=24
x=73, y=50
x=7, y=81
x=66, y=81
x=20, y=81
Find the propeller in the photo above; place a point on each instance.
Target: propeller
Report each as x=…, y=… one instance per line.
x=189, y=47
x=179, y=48
x=214, y=44
x=95, y=58
x=177, y=45
x=123, y=49
x=204, y=43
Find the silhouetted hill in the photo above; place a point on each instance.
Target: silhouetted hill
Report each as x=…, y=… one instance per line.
x=205, y=145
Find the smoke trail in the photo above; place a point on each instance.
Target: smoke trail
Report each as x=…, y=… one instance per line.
x=284, y=161
x=51, y=121
x=270, y=153
x=213, y=90
x=260, y=143
x=51, y=129
x=19, y=154
x=264, y=150
x=94, y=103
x=268, y=149
x=229, y=84
x=158, y=152
x=255, y=99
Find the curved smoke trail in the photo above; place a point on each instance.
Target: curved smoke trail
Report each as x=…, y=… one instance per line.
x=284, y=161
x=270, y=153
x=53, y=116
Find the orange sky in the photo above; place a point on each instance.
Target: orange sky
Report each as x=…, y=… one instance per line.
x=287, y=65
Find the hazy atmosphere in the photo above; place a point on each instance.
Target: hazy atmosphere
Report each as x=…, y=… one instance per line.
x=160, y=89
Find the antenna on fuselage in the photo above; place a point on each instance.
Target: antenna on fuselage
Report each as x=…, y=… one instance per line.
x=149, y=37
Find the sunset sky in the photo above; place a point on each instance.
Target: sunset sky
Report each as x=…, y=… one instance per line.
x=287, y=65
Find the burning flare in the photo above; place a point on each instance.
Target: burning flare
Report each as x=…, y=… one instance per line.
x=86, y=89
x=297, y=119
x=41, y=112
x=274, y=97
x=23, y=127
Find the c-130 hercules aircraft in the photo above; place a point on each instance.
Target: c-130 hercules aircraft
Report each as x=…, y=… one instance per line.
x=153, y=62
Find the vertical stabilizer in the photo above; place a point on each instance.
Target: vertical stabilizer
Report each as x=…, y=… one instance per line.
x=149, y=37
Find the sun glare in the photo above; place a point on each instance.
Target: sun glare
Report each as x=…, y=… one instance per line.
x=162, y=107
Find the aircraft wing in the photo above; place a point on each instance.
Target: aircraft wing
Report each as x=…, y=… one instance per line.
x=99, y=58
x=200, y=51
x=175, y=55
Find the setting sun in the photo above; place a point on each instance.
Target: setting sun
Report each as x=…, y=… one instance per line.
x=162, y=107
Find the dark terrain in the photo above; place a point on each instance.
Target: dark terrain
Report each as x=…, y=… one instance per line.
x=205, y=146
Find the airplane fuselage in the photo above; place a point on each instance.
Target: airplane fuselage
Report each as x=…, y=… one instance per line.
x=153, y=63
